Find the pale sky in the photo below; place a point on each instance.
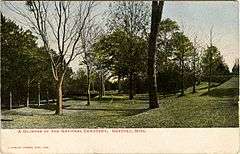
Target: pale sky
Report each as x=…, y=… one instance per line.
x=198, y=17
x=195, y=18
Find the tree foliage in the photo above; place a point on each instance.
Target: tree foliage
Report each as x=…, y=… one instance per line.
x=23, y=63
x=132, y=16
x=113, y=52
x=213, y=65
x=235, y=68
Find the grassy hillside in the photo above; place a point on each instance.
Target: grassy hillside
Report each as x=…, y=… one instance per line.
x=219, y=108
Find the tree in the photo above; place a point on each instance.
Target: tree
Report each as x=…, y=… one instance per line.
x=88, y=37
x=195, y=64
x=101, y=66
x=235, y=68
x=182, y=47
x=112, y=52
x=76, y=85
x=157, y=7
x=165, y=66
x=167, y=28
x=221, y=67
x=210, y=58
x=59, y=23
x=21, y=60
x=194, y=59
x=10, y=39
x=133, y=18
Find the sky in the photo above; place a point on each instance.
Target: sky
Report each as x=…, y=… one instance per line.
x=195, y=19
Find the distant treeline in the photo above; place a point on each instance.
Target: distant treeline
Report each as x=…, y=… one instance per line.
x=119, y=63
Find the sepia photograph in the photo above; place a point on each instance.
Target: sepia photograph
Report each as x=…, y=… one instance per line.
x=134, y=65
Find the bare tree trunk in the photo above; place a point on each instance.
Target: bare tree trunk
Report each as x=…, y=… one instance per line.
x=59, y=106
x=28, y=97
x=39, y=94
x=194, y=76
x=47, y=97
x=194, y=84
x=10, y=100
x=130, y=85
x=210, y=78
x=164, y=91
x=182, y=77
x=210, y=72
x=93, y=86
x=210, y=66
x=101, y=88
x=119, y=84
x=131, y=64
x=157, y=7
x=194, y=66
x=88, y=85
x=175, y=88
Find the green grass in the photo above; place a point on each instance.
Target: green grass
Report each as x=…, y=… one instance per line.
x=227, y=89
x=219, y=108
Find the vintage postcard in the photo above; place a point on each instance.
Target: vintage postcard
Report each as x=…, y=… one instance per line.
x=119, y=77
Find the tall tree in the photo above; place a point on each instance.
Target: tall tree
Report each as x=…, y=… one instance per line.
x=133, y=18
x=165, y=65
x=235, y=68
x=22, y=62
x=59, y=23
x=113, y=53
x=167, y=28
x=157, y=7
x=210, y=59
x=89, y=36
x=182, y=48
x=10, y=39
x=194, y=61
x=76, y=84
x=101, y=65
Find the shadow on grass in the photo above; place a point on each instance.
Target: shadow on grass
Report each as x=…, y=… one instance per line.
x=146, y=97
x=129, y=112
x=142, y=98
x=73, y=97
x=109, y=99
x=4, y=119
x=212, y=86
x=14, y=107
x=222, y=92
x=51, y=107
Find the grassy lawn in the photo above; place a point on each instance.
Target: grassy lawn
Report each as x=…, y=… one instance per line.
x=219, y=108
